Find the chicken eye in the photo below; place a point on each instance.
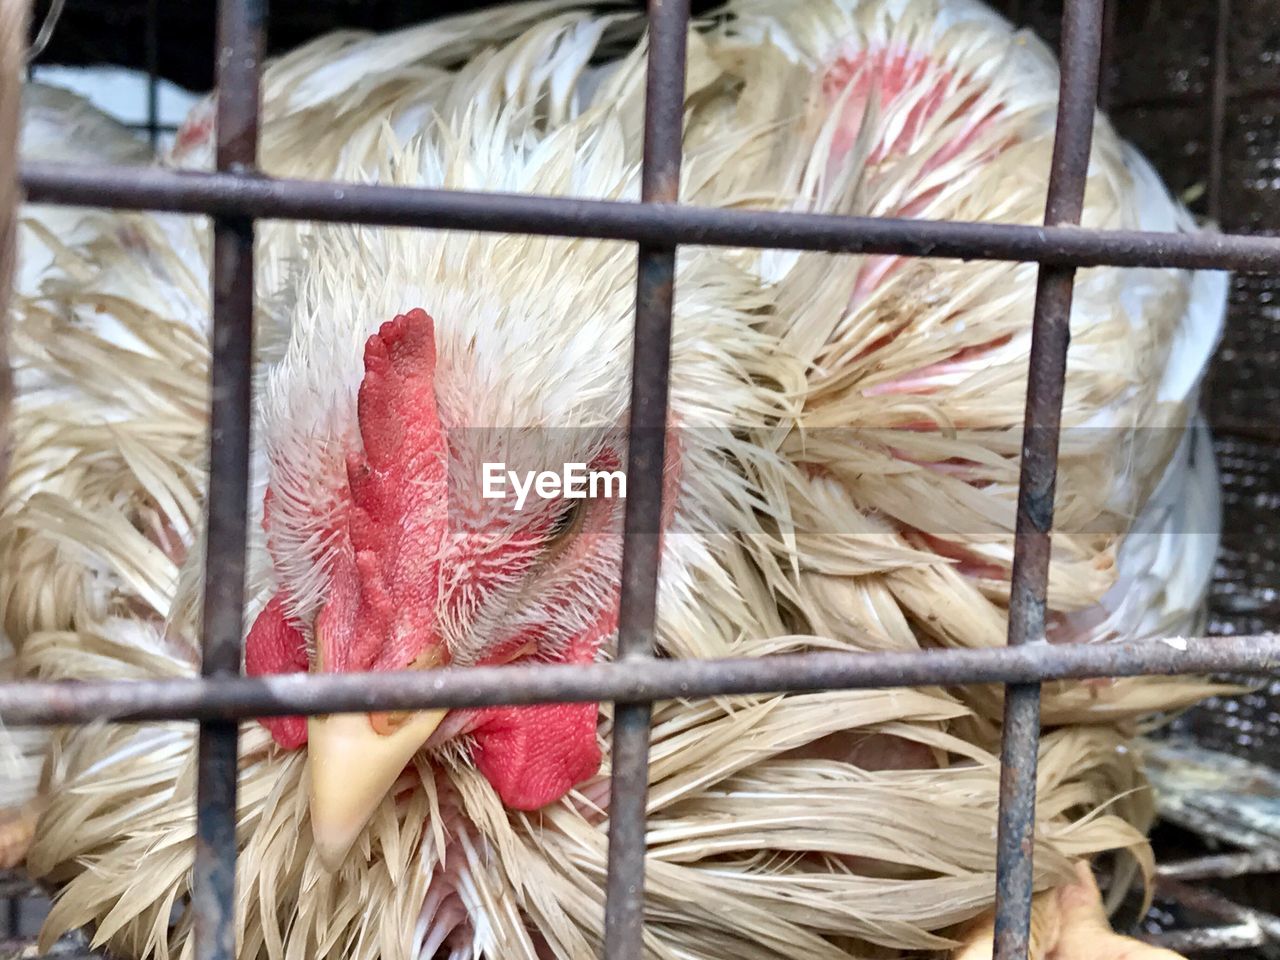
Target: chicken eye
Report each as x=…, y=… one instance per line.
x=567, y=522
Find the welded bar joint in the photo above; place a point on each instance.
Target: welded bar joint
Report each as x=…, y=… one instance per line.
x=238, y=58
x=1082, y=24
x=646, y=456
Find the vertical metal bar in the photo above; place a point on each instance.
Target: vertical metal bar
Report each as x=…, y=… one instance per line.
x=1218, y=109
x=153, y=71
x=651, y=360
x=1077, y=97
x=239, y=53
x=1106, y=61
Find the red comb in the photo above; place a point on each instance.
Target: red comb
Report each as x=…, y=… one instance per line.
x=394, y=481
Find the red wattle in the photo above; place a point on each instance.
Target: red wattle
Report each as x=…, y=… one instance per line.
x=274, y=645
x=534, y=755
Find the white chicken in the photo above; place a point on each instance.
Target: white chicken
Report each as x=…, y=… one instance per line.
x=59, y=126
x=17, y=773
x=842, y=473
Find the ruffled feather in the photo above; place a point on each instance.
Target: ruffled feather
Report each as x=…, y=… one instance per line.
x=850, y=428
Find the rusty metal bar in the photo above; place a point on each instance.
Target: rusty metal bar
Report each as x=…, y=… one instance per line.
x=1046, y=382
x=268, y=198
x=14, y=884
x=1222, y=866
x=1218, y=109
x=1239, y=936
x=34, y=703
x=239, y=55
x=152, y=39
x=646, y=456
x=160, y=127
x=1106, y=56
x=1214, y=904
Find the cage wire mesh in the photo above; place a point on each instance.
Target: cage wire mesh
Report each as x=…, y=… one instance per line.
x=1196, y=86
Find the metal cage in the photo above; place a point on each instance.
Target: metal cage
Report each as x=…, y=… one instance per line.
x=236, y=195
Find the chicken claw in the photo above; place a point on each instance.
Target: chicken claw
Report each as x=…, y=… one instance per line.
x=1067, y=923
x=17, y=827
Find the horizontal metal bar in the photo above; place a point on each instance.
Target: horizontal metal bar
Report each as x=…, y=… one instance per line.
x=222, y=194
x=26, y=948
x=1241, y=936
x=1214, y=904
x=33, y=703
x=15, y=884
x=159, y=127
x=1222, y=865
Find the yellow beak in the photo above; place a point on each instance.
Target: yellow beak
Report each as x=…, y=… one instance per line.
x=352, y=768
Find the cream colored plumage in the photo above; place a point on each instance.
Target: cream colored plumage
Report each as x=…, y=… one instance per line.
x=17, y=750
x=847, y=482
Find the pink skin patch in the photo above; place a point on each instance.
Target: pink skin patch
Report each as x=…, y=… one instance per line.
x=968, y=563
x=951, y=467
x=870, y=752
x=196, y=131
x=384, y=594
x=929, y=379
x=889, y=75
x=886, y=74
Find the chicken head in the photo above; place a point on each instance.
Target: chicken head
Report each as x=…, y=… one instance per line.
x=387, y=568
